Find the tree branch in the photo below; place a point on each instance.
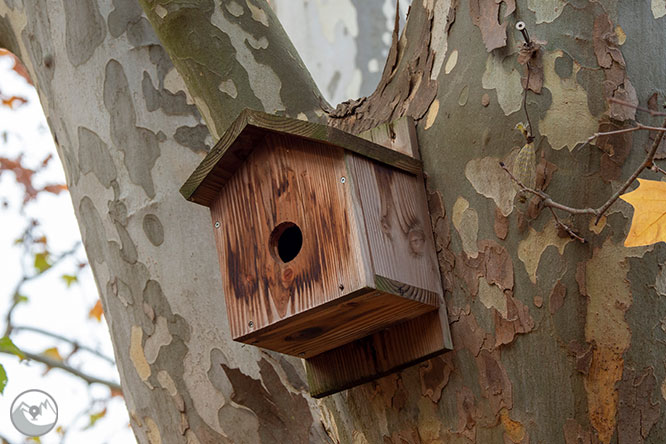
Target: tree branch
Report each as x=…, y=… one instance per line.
x=54, y=363
x=65, y=339
x=598, y=212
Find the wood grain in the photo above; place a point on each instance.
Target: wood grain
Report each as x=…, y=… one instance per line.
x=287, y=180
x=399, y=135
x=379, y=354
x=251, y=126
x=398, y=227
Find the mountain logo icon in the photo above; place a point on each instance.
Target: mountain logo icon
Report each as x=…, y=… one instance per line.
x=34, y=413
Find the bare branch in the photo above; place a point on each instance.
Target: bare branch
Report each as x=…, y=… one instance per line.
x=565, y=227
x=639, y=108
x=638, y=127
x=64, y=339
x=647, y=163
x=54, y=363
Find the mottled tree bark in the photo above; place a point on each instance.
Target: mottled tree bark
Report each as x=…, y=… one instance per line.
x=555, y=341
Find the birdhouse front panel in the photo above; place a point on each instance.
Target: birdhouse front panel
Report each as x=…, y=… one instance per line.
x=288, y=240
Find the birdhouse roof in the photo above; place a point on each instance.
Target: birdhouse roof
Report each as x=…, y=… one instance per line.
x=246, y=133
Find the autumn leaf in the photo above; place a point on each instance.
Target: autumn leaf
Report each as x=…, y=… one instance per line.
x=42, y=262
x=96, y=311
x=69, y=279
x=3, y=379
x=648, y=225
x=94, y=418
x=53, y=353
x=7, y=346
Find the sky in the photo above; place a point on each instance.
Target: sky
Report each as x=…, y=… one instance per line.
x=51, y=305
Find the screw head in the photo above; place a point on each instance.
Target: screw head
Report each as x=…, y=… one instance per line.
x=520, y=26
x=343, y=180
x=217, y=224
x=250, y=324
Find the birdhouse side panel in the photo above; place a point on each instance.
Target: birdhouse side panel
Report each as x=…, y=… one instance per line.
x=398, y=228
x=288, y=240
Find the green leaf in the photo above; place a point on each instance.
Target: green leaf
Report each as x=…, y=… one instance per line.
x=21, y=298
x=69, y=279
x=7, y=346
x=3, y=379
x=42, y=262
x=95, y=417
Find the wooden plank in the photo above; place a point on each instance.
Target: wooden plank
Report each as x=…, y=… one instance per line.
x=232, y=149
x=380, y=354
x=288, y=180
x=398, y=135
x=397, y=225
x=336, y=323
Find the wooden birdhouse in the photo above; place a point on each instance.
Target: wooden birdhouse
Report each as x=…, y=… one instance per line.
x=325, y=248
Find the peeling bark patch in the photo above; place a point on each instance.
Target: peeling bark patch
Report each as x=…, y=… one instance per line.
x=173, y=104
x=433, y=111
x=468, y=414
x=501, y=225
x=193, y=137
x=574, y=433
x=514, y=431
x=466, y=221
x=442, y=235
x=124, y=14
x=609, y=297
x=658, y=8
x=229, y=88
x=405, y=88
x=615, y=148
x=94, y=236
x=506, y=81
x=285, y=417
x=153, y=229
x=451, y=62
x=94, y=157
x=157, y=340
x=153, y=432
x=492, y=297
x=485, y=15
x=494, y=381
x=556, y=300
x=493, y=263
x=490, y=180
x=532, y=247
x=435, y=375
x=517, y=321
x=84, y=30
x=637, y=412
x=609, y=57
x=137, y=356
x=569, y=108
x=546, y=10
x=139, y=145
x=257, y=13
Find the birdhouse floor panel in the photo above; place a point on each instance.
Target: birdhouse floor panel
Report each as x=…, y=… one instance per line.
x=336, y=323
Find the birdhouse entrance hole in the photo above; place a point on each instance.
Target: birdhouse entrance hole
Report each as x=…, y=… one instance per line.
x=286, y=241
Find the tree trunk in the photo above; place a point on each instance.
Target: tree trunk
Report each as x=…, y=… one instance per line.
x=555, y=340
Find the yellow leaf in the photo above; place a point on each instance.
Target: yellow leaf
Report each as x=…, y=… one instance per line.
x=648, y=225
x=52, y=353
x=96, y=311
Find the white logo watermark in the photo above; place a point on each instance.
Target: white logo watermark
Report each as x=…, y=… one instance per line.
x=34, y=412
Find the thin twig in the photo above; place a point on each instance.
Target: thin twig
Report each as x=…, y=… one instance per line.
x=530, y=136
x=638, y=127
x=598, y=212
x=656, y=169
x=565, y=227
x=646, y=163
x=54, y=363
x=638, y=108
x=76, y=344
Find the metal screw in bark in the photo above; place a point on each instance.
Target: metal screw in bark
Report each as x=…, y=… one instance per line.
x=250, y=324
x=520, y=26
x=343, y=180
x=217, y=224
